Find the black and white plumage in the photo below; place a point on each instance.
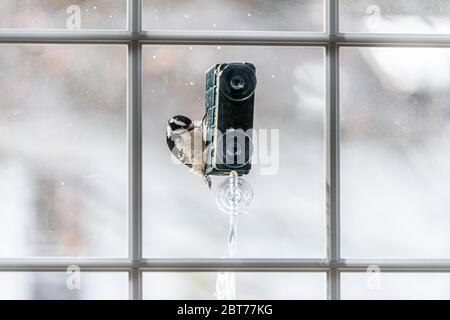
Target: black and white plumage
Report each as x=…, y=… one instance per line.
x=185, y=141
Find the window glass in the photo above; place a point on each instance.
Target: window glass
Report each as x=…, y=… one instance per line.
x=249, y=286
x=394, y=153
x=395, y=286
x=63, y=286
x=63, y=151
x=287, y=215
x=261, y=15
x=395, y=16
x=63, y=14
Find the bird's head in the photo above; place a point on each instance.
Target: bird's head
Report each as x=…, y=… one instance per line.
x=179, y=125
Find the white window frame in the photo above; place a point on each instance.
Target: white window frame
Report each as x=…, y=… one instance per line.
x=135, y=38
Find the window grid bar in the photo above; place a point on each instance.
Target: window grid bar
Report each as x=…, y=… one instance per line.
x=135, y=38
x=332, y=151
x=135, y=148
x=222, y=38
x=238, y=265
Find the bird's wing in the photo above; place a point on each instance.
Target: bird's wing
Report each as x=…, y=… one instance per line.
x=196, y=151
x=188, y=149
x=199, y=154
x=176, y=148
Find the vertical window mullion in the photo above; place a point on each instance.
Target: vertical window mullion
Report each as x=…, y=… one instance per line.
x=135, y=147
x=332, y=134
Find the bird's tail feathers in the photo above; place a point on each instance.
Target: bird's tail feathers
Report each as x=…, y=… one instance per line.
x=208, y=181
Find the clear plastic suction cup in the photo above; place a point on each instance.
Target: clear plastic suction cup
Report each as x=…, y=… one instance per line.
x=234, y=195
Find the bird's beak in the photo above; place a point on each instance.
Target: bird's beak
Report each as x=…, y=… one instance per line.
x=191, y=127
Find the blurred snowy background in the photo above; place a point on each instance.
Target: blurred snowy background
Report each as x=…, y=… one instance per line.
x=52, y=14
x=265, y=286
x=395, y=152
x=395, y=286
x=255, y=15
x=395, y=16
x=63, y=161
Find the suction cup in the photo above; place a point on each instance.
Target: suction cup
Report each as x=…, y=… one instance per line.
x=234, y=195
